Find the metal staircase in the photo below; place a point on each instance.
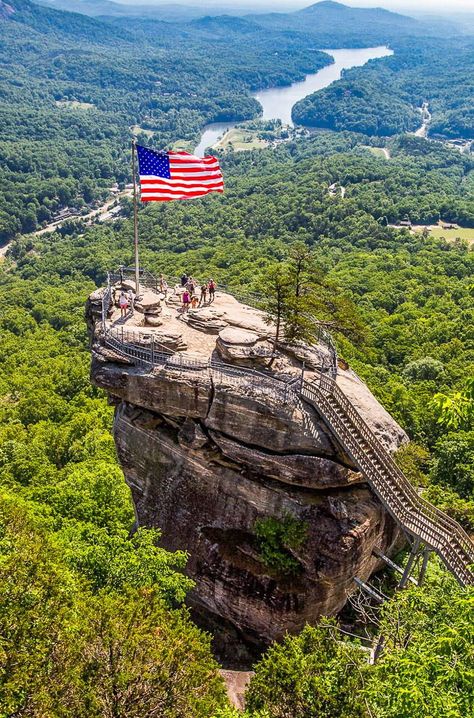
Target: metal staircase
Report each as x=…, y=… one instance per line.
x=421, y=521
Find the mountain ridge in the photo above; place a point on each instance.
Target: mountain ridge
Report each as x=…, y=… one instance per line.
x=359, y=20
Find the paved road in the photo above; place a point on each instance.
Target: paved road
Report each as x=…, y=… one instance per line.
x=101, y=212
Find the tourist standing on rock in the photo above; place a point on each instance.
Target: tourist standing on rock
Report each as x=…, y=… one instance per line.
x=202, y=299
x=164, y=289
x=186, y=300
x=212, y=290
x=184, y=280
x=190, y=285
x=123, y=304
x=131, y=300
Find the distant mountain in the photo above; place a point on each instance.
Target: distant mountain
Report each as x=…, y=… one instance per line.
x=329, y=11
x=85, y=7
x=335, y=24
x=56, y=23
x=169, y=12
x=455, y=23
x=222, y=24
x=330, y=24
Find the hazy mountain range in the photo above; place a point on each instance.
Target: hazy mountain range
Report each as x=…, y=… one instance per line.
x=323, y=14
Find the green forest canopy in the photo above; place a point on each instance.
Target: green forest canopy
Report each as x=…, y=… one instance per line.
x=72, y=92
x=76, y=588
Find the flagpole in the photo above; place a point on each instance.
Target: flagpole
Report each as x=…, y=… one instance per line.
x=135, y=219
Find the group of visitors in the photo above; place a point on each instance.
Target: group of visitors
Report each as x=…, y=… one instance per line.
x=195, y=294
x=191, y=288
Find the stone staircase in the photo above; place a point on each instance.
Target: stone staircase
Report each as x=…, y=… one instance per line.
x=421, y=521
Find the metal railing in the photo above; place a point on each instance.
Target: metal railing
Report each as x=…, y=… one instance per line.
x=149, y=353
x=418, y=518
x=415, y=515
x=322, y=335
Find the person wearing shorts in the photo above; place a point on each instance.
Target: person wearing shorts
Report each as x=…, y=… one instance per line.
x=123, y=304
x=186, y=300
x=212, y=290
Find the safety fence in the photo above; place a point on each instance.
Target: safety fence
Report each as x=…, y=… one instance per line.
x=150, y=281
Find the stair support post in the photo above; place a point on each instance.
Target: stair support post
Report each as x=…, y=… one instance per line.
x=414, y=554
x=426, y=556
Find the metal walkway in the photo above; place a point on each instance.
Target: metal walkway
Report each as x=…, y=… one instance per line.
x=422, y=521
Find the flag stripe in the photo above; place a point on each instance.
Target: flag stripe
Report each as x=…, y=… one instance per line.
x=191, y=175
x=151, y=184
x=177, y=175
x=165, y=196
x=179, y=189
x=188, y=167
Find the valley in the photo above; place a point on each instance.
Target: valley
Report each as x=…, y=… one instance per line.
x=277, y=102
x=209, y=469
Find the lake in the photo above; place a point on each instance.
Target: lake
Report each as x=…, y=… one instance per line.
x=277, y=102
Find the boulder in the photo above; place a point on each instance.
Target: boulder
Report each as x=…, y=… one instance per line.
x=205, y=319
x=126, y=285
x=241, y=346
x=375, y=415
x=163, y=391
x=149, y=302
x=153, y=320
x=314, y=357
x=313, y=472
x=165, y=339
x=265, y=415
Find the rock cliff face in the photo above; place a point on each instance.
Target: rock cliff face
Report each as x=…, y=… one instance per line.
x=209, y=459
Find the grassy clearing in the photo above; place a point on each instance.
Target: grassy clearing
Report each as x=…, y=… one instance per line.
x=240, y=139
x=137, y=130
x=183, y=146
x=450, y=235
x=75, y=105
x=377, y=151
x=466, y=233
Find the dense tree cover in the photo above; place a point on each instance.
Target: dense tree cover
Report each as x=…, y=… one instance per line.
x=71, y=94
x=425, y=670
x=70, y=651
x=89, y=617
x=381, y=98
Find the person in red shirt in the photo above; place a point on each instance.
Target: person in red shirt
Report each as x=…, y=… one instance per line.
x=186, y=300
x=212, y=290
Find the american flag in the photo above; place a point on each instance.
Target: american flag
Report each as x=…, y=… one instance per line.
x=176, y=175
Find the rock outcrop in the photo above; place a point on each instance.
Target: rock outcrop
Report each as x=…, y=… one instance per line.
x=210, y=456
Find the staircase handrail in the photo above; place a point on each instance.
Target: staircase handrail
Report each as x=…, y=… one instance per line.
x=425, y=521
x=385, y=458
